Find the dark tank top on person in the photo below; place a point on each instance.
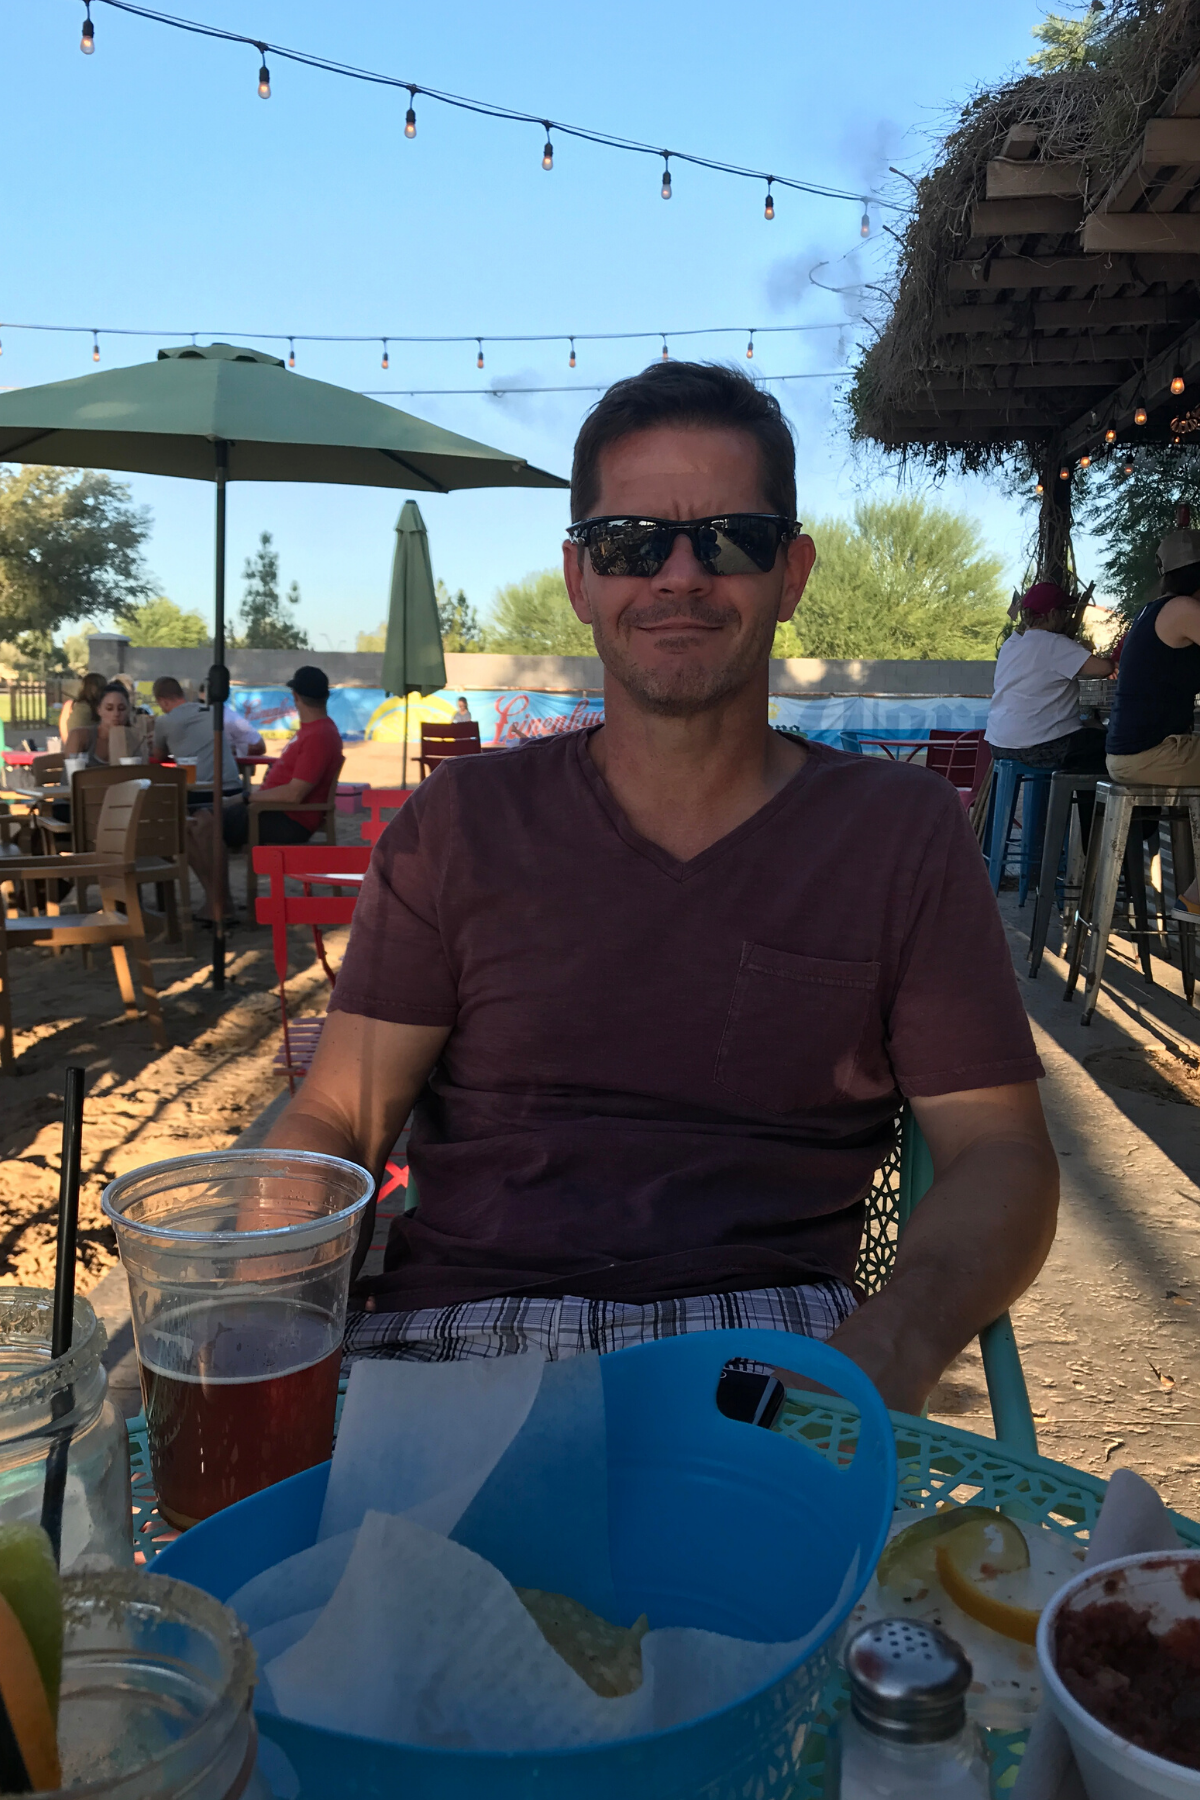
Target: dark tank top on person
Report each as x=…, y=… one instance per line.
x=1156, y=688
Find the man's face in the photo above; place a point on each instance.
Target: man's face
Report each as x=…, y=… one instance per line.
x=680, y=641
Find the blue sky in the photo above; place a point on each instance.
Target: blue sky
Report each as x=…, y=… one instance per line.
x=152, y=187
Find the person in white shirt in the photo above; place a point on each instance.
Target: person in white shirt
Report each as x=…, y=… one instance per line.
x=243, y=739
x=1034, y=715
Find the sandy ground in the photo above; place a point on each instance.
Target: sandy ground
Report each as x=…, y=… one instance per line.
x=1109, y=1335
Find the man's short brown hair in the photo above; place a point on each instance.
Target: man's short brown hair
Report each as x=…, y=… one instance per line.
x=688, y=394
x=167, y=688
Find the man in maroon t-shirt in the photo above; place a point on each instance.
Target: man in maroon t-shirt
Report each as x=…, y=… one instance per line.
x=654, y=992
x=306, y=770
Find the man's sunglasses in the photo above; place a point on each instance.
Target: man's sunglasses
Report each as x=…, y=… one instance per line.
x=731, y=544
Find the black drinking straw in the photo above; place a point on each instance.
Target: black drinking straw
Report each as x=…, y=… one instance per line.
x=64, y=1304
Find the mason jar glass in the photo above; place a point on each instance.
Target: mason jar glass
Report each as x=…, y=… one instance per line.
x=61, y=1406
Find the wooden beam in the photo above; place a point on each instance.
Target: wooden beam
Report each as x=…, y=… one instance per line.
x=1039, y=272
x=1086, y=347
x=1060, y=315
x=1016, y=376
x=1016, y=218
x=1151, y=385
x=1170, y=142
x=1021, y=143
x=946, y=396
x=1174, y=234
x=1034, y=180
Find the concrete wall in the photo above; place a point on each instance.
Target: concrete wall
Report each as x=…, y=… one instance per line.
x=114, y=655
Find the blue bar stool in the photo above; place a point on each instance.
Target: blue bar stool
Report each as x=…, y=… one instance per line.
x=1007, y=779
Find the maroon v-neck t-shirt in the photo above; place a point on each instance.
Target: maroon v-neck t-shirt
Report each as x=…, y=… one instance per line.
x=670, y=1078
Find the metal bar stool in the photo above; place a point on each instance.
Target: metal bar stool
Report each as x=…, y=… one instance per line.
x=1008, y=778
x=1108, y=849
x=1064, y=786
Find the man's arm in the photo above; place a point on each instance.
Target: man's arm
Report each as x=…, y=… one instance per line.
x=975, y=1242
x=284, y=790
x=360, y=1089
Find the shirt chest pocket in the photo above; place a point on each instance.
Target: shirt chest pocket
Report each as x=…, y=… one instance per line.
x=795, y=1025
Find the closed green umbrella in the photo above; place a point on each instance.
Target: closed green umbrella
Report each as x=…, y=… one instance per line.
x=413, y=662
x=220, y=413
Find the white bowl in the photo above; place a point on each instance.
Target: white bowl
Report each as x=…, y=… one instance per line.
x=1111, y=1767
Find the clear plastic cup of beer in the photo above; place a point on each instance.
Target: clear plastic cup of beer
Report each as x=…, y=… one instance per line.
x=239, y=1270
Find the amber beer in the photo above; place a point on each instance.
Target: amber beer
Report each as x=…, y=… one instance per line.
x=254, y=1404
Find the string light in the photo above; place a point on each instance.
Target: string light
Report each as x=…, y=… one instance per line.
x=548, y=148
x=95, y=348
x=750, y=349
x=1177, y=382
x=291, y=354
x=1085, y=462
x=571, y=358
x=769, y=208
x=864, y=229
x=410, y=117
x=666, y=180
x=1039, y=489
x=666, y=354
x=264, y=74
x=1139, y=413
x=87, y=42
x=384, y=363
x=1064, y=474
x=1110, y=436
x=479, y=358
x=1128, y=469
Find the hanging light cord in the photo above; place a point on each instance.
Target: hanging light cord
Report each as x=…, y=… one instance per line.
x=488, y=109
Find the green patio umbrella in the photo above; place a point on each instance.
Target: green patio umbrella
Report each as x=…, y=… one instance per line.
x=413, y=662
x=219, y=413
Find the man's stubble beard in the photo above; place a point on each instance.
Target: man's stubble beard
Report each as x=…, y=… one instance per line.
x=685, y=691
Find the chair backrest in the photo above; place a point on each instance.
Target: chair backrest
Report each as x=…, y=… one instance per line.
x=850, y=742
x=117, y=827
x=162, y=831
x=378, y=801
x=279, y=909
x=459, y=738
x=47, y=770
x=963, y=757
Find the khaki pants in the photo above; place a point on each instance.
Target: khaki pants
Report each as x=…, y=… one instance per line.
x=1173, y=763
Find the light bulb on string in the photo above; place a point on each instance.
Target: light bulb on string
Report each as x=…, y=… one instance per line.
x=410, y=117
x=769, y=208
x=1039, y=489
x=264, y=74
x=291, y=353
x=547, y=148
x=1110, y=436
x=666, y=354
x=87, y=41
x=1128, y=469
x=666, y=180
x=1085, y=462
x=95, y=348
x=384, y=363
x=1064, y=474
x=750, y=349
x=1139, y=413
x=1177, y=382
x=479, y=358
x=571, y=358
x=864, y=229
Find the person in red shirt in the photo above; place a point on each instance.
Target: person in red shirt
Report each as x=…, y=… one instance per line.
x=306, y=770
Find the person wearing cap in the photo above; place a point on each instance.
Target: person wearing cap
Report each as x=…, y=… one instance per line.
x=1034, y=715
x=306, y=770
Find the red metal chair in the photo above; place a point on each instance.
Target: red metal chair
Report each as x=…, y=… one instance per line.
x=963, y=757
x=459, y=738
x=313, y=865
x=378, y=801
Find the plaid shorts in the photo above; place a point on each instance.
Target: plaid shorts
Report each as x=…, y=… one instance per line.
x=569, y=1326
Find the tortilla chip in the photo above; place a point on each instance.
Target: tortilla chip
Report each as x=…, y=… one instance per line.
x=608, y=1657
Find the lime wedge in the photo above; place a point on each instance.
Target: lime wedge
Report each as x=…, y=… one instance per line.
x=29, y=1582
x=909, y=1557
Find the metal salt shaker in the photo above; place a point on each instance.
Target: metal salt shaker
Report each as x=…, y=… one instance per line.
x=906, y=1736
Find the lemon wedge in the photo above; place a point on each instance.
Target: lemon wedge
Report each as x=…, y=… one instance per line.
x=909, y=1557
x=976, y=1553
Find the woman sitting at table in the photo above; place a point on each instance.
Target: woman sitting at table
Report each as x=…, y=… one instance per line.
x=80, y=713
x=1034, y=715
x=92, y=740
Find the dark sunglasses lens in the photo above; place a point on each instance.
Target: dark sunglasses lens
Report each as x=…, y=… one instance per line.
x=740, y=545
x=628, y=549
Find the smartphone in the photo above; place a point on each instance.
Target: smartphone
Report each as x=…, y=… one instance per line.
x=755, y=1399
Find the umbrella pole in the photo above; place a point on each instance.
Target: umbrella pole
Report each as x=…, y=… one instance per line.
x=404, y=762
x=218, y=688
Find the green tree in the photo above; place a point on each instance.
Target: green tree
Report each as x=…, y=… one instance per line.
x=70, y=548
x=533, y=617
x=161, y=622
x=457, y=620
x=903, y=579
x=1067, y=43
x=1129, y=514
x=264, y=623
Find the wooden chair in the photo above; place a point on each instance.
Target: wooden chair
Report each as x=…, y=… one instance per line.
x=113, y=867
x=161, y=839
x=261, y=802
x=459, y=738
x=378, y=801
x=279, y=909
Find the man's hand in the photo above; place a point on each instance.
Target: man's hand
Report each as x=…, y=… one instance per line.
x=975, y=1242
x=360, y=1089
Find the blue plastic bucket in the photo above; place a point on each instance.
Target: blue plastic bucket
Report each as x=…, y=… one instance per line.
x=712, y=1523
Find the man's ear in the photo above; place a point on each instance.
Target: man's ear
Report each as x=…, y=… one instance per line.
x=573, y=576
x=801, y=555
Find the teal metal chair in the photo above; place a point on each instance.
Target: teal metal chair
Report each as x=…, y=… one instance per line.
x=902, y=1182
